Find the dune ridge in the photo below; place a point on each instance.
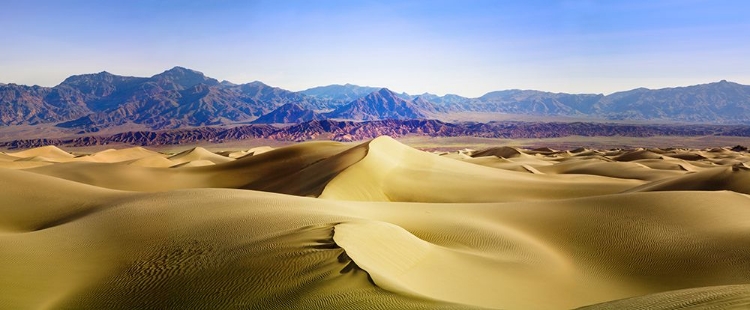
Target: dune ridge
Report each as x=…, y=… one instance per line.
x=375, y=225
x=392, y=171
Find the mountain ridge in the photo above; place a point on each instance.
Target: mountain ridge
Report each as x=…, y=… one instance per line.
x=382, y=104
x=181, y=97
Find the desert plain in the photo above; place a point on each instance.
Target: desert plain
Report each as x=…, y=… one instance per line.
x=375, y=225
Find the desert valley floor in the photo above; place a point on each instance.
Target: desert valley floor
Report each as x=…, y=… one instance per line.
x=326, y=225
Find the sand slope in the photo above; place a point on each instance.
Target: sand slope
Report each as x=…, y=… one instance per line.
x=392, y=171
x=286, y=170
x=384, y=226
x=712, y=297
x=736, y=178
x=199, y=153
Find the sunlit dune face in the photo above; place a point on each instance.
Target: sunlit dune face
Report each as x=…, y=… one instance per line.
x=325, y=225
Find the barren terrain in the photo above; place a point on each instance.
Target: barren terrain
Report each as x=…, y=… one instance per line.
x=375, y=224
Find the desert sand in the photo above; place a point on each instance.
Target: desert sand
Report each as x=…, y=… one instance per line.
x=326, y=225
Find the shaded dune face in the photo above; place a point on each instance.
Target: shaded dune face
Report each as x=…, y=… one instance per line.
x=327, y=225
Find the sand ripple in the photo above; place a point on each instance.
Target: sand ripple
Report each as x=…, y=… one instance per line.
x=376, y=225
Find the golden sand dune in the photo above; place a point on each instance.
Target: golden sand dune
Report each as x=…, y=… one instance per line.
x=678, y=165
x=392, y=171
x=242, y=153
x=194, y=163
x=122, y=155
x=199, y=153
x=23, y=164
x=6, y=158
x=622, y=170
x=502, y=152
x=736, y=178
x=636, y=155
x=229, y=248
x=154, y=161
x=712, y=297
x=583, y=231
x=300, y=169
x=51, y=152
x=507, y=164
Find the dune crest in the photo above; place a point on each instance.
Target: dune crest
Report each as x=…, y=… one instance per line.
x=199, y=153
x=392, y=171
x=327, y=225
x=736, y=178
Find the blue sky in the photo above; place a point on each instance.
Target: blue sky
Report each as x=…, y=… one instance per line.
x=466, y=47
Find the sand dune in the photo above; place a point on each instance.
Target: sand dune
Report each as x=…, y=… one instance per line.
x=51, y=152
x=23, y=164
x=622, y=170
x=736, y=178
x=384, y=226
x=678, y=165
x=640, y=154
x=712, y=297
x=394, y=172
x=502, y=152
x=154, y=161
x=249, y=152
x=6, y=158
x=129, y=154
x=507, y=164
x=199, y=153
x=300, y=169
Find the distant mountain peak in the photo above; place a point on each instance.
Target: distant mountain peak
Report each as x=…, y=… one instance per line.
x=337, y=95
x=180, y=71
x=257, y=83
x=82, y=77
x=183, y=78
x=183, y=69
x=386, y=92
x=380, y=104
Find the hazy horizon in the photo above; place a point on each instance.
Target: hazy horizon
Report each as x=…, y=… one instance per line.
x=467, y=48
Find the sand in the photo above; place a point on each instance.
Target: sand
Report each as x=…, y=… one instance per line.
x=326, y=225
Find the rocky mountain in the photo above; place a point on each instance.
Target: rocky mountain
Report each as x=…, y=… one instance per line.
x=383, y=104
x=99, y=91
x=181, y=97
x=174, y=98
x=449, y=102
x=268, y=98
x=336, y=95
x=720, y=102
x=289, y=113
x=537, y=102
x=22, y=104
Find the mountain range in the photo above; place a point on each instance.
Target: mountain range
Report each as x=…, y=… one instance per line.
x=182, y=97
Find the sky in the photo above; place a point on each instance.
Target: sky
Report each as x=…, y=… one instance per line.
x=465, y=47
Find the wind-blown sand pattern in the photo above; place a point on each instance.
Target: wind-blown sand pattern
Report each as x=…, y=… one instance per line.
x=324, y=225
